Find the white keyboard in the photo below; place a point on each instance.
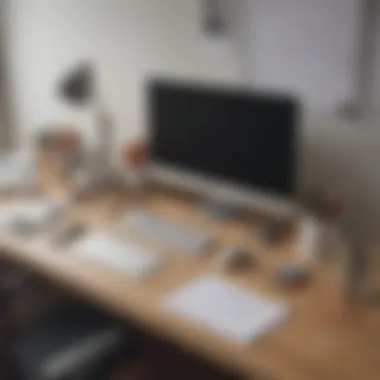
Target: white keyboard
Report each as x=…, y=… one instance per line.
x=130, y=259
x=180, y=237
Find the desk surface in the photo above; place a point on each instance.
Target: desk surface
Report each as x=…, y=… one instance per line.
x=325, y=339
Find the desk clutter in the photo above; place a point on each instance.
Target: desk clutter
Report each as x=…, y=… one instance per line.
x=26, y=219
x=214, y=303
x=31, y=216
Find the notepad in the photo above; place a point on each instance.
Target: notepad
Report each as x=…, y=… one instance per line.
x=227, y=309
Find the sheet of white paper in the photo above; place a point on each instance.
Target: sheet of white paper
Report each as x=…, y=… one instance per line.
x=34, y=212
x=236, y=313
x=16, y=170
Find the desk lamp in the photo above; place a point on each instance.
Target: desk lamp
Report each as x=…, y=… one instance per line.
x=94, y=170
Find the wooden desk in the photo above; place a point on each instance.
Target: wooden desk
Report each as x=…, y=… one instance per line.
x=323, y=340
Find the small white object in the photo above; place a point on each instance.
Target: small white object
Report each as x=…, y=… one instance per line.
x=32, y=214
x=130, y=259
x=181, y=237
x=308, y=239
x=238, y=314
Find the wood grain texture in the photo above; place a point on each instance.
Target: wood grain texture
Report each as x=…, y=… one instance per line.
x=324, y=339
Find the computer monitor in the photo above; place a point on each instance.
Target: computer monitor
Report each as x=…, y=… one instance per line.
x=234, y=145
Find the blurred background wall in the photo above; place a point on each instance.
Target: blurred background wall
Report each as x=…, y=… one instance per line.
x=126, y=39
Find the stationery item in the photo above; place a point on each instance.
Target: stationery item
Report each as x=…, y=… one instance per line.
x=234, y=312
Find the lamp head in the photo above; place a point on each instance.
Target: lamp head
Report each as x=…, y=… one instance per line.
x=77, y=86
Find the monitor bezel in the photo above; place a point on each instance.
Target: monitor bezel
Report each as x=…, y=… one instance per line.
x=232, y=192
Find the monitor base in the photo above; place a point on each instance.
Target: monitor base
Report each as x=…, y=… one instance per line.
x=218, y=209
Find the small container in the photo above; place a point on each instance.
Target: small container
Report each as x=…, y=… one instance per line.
x=134, y=157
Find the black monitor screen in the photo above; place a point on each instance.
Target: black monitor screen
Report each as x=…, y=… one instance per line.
x=239, y=136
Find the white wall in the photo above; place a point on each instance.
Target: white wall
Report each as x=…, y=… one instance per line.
x=306, y=46
x=377, y=63
x=127, y=39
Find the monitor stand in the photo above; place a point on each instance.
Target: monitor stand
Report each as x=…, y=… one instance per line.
x=218, y=209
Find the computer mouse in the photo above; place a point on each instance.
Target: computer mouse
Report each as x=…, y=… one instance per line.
x=235, y=258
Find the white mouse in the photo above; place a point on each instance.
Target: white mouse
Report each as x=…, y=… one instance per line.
x=235, y=257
